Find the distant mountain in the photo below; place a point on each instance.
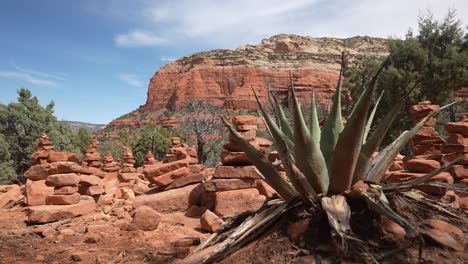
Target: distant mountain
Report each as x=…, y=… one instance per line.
x=75, y=126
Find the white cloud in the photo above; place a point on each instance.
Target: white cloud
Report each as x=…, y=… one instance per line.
x=59, y=77
x=230, y=23
x=138, y=38
x=130, y=79
x=28, y=78
x=168, y=59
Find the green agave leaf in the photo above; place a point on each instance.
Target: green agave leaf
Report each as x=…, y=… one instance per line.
x=371, y=118
x=380, y=164
x=333, y=125
x=314, y=125
x=349, y=144
x=307, y=153
x=376, y=138
x=285, y=127
x=284, y=189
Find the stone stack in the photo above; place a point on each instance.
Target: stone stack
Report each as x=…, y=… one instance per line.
x=131, y=183
x=109, y=165
x=427, y=140
x=457, y=144
x=150, y=160
x=235, y=186
x=92, y=157
x=129, y=160
x=43, y=148
x=179, y=150
x=427, y=145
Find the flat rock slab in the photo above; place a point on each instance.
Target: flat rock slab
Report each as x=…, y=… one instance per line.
x=168, y=201
x=50, y=213
x=235, y=172
x=230, y=202
x=234, y=158
x=191, y=178
x=219, y=185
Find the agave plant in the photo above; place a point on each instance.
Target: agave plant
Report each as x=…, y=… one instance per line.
x=322, y=164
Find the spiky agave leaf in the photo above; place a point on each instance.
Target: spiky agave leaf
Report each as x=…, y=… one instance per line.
x=267, y=169
x=371, y=118
x=309, y=158
x=285, y=127
x=382, y=161
x=349, y=144
x=314, y=125
x=333, y=125
x=376, y=138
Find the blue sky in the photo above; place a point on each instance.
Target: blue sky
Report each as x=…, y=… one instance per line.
x=94, y=58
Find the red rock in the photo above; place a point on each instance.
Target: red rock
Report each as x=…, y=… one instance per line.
x=63, y=199
x=239, y=120
x=111, y=187
x=443, y=239
x=66, y=190
x=62, y=156
x=457, y=139
x=443, y=226
x=423, y=110
x=273, y=156
x=12, y=195
x=162, y=168
x=237, y=148
x=459, y=171
x=37, y=172
x=52, y=213
x=126, y=177
x=463, y=203
x=210, y=221
x=421, y=165
x=265, y=189
x=196, y=168
x=59, y=180
x=89, y=180
x=446, y=159
x=454, y=148
x=187, y=242
x=426, y=149
x=91, y=190
x=145, y=219
x=390, y=227
x=191, y=178
x=263, y=142
x=218, y=185
x=168, y=201
x=230, y=202
x=297, y=229
x=396, y=166
x=425, y=133
x=98, y=229
x=458, y=127
x=235, y=172
x=140, y=187
x=234, y=158
x=195, y=211
x=450, y=198
x=37, y=191
x=64, y=167
x=247, y=135
x=403, y=176
x=244, y=128
x=170, y=177
x=92, y=171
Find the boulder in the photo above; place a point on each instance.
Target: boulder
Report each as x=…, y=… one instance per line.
x=64, y=167
x=37, y=191
x=247, y=135
x=63, y=199
x=170, y=177
x=126, y=177
x=50, y=213
x=421, y=165
x=390, y=227
x=459, y=171
x=457, y=139
x=59, y=180
x=92, y=190
x=37, y=172
x=230, y=202
x=210, y=221
x=457, y=127
x=235, y=172
x=191, y=178
x=452, y=156
x=234, y=158
x=196, y=168
x=89, y=180
x=168, y=201
x=66, y=190
x=218, y=185
x=454, y=148
x=145, y=219
x=443, y=226
x=443, y=239
x=163, y=168
x=265, y=189
x=13, y=194
x=240, y=120
x=62, y=156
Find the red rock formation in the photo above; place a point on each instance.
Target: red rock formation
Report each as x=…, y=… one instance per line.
x=226, y=77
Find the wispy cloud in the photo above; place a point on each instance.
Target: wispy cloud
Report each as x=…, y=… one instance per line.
x=138, y=38
x=230, y=23
x=167, y=59
x=130, y=79
x=59, y=77
x=28, y=78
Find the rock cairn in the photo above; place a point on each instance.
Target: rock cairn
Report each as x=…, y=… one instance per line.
x=179, y=151
x=92, y=157
x=131, y=183
x=427, y=147
x=109, y=165
x=129, y=160
x=457, y=144
x=235, y=186
x=52, y=185
x=150, y=160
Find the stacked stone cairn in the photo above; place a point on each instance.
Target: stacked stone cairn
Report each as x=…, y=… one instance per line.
x=92, y=157
x=52, y=186
x=235, y=185
x=150, y=160
x=457, y=144
x=131, y=183
x=109, y=165
x=427, y=146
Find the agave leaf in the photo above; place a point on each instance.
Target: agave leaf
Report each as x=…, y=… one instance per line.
x=371, y=118
x=333, y=125
x=284, y=189
x=307, y=153
x=285, y=127
x=349, y=144
x=376, y=138
x=314, y=125
x=382, y=161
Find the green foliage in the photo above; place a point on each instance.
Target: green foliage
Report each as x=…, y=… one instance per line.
x=152, y=138
x=7, y=172
x=22, y=122
x=435, y=60
x=84, y=138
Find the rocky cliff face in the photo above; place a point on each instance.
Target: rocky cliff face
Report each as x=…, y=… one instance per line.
x=226, y=77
